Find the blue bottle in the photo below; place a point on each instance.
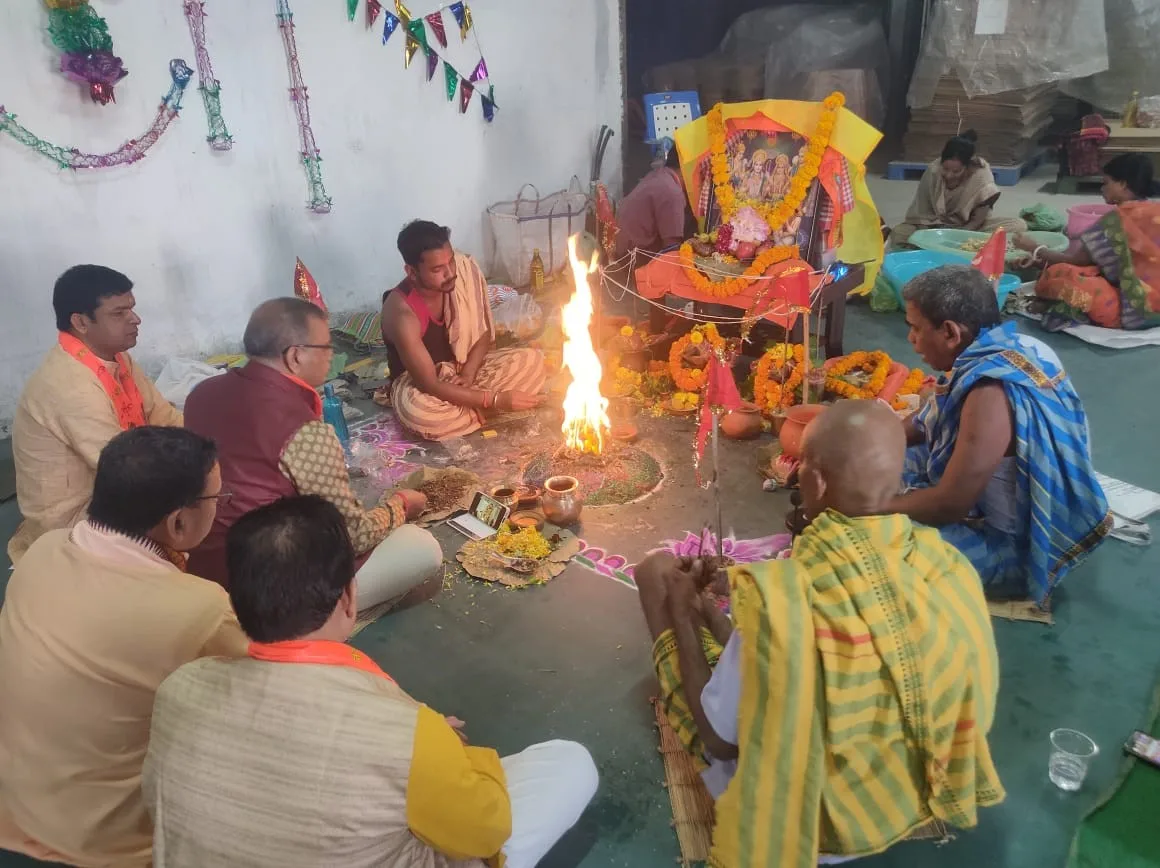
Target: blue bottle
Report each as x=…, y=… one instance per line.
x=332, y=413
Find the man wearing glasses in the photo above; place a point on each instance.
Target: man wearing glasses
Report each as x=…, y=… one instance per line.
x=266, y=418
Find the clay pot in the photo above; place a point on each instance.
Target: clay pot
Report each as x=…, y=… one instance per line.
x=635, y=360
x=744, y=423
x=562, y=500
x=794, y=427
x=623, y=432
x=506, y=495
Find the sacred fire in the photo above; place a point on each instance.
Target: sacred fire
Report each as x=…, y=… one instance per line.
x=586, y=421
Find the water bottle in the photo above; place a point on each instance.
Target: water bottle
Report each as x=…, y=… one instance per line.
x=332, y=413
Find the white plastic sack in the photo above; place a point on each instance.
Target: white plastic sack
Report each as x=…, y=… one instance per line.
x=519, y=316
x=523, y=226
x=179, y=376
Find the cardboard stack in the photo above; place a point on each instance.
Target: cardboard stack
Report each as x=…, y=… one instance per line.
x=1008, y=124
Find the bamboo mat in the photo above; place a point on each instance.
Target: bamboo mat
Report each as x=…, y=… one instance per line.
x=692, y=804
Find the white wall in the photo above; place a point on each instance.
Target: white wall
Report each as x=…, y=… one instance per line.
x=206, y=236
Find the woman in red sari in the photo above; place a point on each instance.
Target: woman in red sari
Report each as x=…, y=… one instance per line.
x=1112, y=278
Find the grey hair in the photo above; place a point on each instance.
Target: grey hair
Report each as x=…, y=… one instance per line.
x=955, y=293
x=277, y=325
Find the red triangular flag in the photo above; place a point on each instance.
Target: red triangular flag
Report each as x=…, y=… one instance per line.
x=435, y=22
x=374, y=7
x=721, y=395
x=992, y=257
x=466, y=89
x=306, y=287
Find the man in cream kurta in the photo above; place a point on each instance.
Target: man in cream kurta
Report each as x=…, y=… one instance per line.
x=94, y=618
x=306, y=753
x=86, y=391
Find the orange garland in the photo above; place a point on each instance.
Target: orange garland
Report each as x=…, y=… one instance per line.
x=771, y=395
x=692, y=379
x=730, y=286
x=876, y=364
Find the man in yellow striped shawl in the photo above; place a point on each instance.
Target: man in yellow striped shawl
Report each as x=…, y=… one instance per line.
x=848, y=705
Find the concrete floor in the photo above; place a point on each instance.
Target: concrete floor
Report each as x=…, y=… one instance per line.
x=571, y=659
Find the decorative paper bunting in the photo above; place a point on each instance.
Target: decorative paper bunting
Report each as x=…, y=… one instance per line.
x=465, y=91
x=418, y=32
x=452, y=79
x=351, y=8
x=480, y=70
x=432, y=64
x=402, y=11
x=488, y=108
x=409, y=52
x=390, y=25
x=462, y=13
x=435, y=19
x=374, y=7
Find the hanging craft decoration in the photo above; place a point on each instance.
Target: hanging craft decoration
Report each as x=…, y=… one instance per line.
x=374, y=7
x=320, y=203
x=462, y=13
x=452, y=79
x=219, y=137
x=86, y=47
x=390, y=25
x=130, y=152
x=417, y=38
x=435, y=22
x=351, y=9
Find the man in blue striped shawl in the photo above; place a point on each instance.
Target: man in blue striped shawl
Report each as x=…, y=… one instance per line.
x=1000, y=460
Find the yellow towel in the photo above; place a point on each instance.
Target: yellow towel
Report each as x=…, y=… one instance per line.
x=470, y=316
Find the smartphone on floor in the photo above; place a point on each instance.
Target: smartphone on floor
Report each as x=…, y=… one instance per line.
x=1144, y=747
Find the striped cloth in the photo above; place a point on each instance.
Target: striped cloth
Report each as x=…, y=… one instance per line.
x=435, y=419
x=672, y=696
x=1058, y=498
x=869, y=679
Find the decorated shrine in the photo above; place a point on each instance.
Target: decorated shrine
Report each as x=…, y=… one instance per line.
x=786, y=220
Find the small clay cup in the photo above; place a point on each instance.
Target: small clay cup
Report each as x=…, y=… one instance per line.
x=506, y=495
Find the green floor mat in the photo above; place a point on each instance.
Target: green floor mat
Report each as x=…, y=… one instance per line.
x=1122, y=832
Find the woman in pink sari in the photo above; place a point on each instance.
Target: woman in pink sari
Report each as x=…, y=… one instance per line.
x=1112, y=278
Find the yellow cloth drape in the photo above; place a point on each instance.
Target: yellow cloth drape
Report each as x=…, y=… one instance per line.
x=853, y=138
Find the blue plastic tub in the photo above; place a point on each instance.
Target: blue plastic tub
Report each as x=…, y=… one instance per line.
x=899, y=268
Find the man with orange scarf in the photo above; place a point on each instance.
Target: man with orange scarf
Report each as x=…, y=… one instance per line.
x=85, y=392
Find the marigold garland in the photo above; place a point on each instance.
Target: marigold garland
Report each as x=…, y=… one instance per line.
x=769, y=394
x=692, y=379
x=911, y=386
x=876, y=364
x=729, y=287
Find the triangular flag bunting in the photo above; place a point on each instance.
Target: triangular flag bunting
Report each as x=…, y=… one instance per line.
x=435, y=19
x=374, y=7
x=480, y=70
x=351, y=9
x=466, y=89
x=488, y=108
x=409, y=52
x=432, y=64
x=306, y=287
x=417, y=31
x=452, y=78
x=390, y=25
x=462, y=13
x=402, y=11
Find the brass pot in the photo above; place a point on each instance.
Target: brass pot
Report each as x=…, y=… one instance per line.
x=506, y=495
x=562, y=500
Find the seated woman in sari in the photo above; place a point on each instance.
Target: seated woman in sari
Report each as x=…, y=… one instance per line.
x=957, y=191
x=1112, y=277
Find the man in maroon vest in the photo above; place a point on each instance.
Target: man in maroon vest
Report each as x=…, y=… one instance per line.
x=266, y=419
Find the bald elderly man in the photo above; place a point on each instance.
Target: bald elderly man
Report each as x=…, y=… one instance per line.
x=266, y=419
x=848, y=702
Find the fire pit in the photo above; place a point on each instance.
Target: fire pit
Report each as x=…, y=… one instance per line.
x=621, y=474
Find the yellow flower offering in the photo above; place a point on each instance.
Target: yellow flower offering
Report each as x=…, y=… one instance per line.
x=696, y=338
x=524, y=543
x=626, y=331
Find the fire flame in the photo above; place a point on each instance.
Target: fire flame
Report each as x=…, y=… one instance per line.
x=585, y=409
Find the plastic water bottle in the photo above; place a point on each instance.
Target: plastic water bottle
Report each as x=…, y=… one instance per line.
x=332, y=413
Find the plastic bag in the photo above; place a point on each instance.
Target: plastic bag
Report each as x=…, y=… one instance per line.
x=1039, y=43
x=519, y=317
x=1148, y=112
x=523, y=226
x=1133, y=64
x=179, y=376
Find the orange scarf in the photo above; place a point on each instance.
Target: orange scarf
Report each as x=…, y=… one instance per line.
x=122, y=390
x=319, y=652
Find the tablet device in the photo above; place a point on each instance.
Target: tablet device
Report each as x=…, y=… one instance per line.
x=485, y=517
